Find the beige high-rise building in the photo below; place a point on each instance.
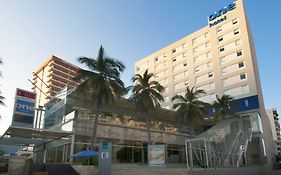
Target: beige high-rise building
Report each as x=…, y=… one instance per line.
x=275, y=128
x=220, y=58
x=51, y=77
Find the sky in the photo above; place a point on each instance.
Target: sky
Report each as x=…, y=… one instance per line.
x=32, y=30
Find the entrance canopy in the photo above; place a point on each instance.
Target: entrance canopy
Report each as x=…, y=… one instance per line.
x=22, y=136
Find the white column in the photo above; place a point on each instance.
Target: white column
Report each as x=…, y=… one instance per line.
x=72, y=147
x=206, y=154
x=45, y=153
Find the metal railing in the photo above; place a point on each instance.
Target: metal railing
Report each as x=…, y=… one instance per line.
x=223, y=145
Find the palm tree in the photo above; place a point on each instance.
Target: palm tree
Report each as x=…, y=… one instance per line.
x=147, y=96
x=222, y=107
x=101, y=82
x=188, y=107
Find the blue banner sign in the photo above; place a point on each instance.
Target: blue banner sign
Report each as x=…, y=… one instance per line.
x=24, y=107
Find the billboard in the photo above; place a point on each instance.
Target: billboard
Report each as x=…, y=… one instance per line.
x=156, y=155
x=24, y=108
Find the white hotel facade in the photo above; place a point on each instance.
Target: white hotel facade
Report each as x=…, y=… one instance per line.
x=220, y=58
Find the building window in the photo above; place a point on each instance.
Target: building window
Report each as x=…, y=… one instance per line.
x=237, y=43
x=186, y=83
x=239, y=53
x=174, y=59
x=195, y=50
x=138, y=68
x=211, y=85
x=174, y=51
x=219, y=29
x=235, y=21
x=223, y=82
x=242, y=76
x=245, y=88
x=246, y=103
x=208, y=54
x=210, y=74
x=226, y=92
x=206, y=35
x=156, y=76
x=223, y=70
x=221, y=49
x=164, y=55
x=209, y=64
x=197, y=69
x=236, y=32
x=223, y=59
x=156, y=58
x=194, y=41
x=220, y=39
x=184, y=64
x=241, y=64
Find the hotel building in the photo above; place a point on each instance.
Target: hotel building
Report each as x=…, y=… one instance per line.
x=275, y=128
x=220, y=59
x=51, y=77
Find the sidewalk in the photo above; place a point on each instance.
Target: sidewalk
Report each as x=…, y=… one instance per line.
x=141, y=170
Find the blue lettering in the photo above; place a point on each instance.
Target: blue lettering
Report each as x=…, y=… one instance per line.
x=222, y=11
x=231, y=6
x=25, y=107
x=217, y=22
x=212, y=17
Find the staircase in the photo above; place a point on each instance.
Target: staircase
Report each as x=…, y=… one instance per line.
x=223, y=145
x=243, y=148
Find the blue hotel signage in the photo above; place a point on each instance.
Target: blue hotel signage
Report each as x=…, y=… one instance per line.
x=219, y=13
x=25, y=107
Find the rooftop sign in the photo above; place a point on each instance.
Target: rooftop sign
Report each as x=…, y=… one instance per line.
x=219, y=13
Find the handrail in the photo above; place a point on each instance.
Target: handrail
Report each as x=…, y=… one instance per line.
x=233, y=144
x=241, y=151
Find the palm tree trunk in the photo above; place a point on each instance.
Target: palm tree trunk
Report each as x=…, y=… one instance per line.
x=94, y=134
x=148, y=127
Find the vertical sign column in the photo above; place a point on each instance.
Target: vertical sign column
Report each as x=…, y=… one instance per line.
x=24, y=108
x=105, y=158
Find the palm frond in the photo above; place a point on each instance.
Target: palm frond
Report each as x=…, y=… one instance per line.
x=102, y=81
x=146, y=93
x=188, y=107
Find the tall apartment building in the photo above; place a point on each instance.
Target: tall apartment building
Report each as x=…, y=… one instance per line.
x=275, y=128
x=51, y=77
x=220, y=58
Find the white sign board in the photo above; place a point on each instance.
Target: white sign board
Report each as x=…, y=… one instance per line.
x=24, y=108
x=156, y=155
